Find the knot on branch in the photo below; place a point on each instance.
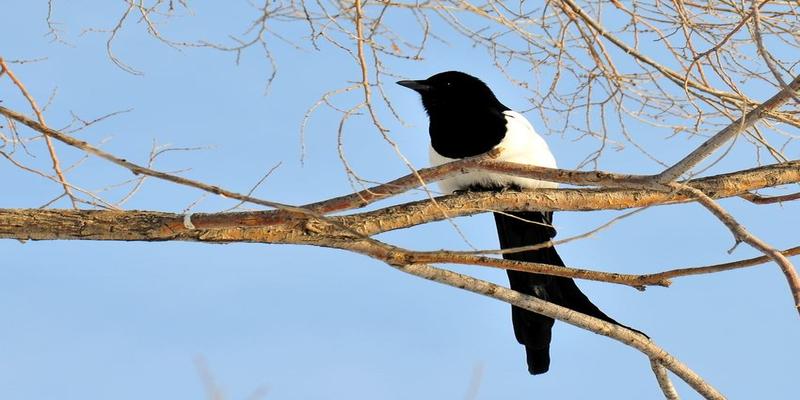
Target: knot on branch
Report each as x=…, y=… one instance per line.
x=398, y=258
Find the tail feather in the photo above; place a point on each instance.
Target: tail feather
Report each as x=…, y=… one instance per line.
x=534, y=330
x=538, y=360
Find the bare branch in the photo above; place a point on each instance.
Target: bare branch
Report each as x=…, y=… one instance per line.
x=569, y=316
x=662, y=376
x=756, y=199
x=138, y=169
x=674, y=273
x=50, y=149
x=735, y=128
x=743, y=235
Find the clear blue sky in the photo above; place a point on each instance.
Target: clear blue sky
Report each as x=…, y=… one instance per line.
x=106, y=320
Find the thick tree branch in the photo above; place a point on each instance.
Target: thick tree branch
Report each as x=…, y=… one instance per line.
x=39, y=224
x=720, y=186
x=281, y=227
x=478, y=163
x=415, y=213
x=277, y=226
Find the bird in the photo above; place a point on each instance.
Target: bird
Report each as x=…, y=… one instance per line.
x=466, y=119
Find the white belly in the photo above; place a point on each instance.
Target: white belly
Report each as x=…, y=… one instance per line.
x=520, y=145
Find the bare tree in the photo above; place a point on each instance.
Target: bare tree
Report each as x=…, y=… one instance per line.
x=595, y=71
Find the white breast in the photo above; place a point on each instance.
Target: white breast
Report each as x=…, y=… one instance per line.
x=520, y=145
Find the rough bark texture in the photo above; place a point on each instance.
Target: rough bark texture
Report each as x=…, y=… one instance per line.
x=283, y=227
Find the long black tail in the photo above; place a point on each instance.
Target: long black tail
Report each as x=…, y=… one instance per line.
x=532, y=330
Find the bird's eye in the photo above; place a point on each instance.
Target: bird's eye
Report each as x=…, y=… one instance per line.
x=448, y=83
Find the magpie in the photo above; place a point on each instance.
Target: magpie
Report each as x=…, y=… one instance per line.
x=466, y=119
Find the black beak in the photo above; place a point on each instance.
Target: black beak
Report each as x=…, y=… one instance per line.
x=417, y=86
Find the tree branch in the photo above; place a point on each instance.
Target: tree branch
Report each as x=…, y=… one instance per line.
x=50, y=149
x=138, y=169
x=539, y=306
x=276, y=226
x=663, y=380
x=741, y=234
x=709, y=269
x=736, y=127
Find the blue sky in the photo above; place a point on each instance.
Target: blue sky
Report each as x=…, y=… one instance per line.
x=96, y=320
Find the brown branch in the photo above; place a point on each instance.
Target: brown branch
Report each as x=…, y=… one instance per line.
x=756, y=199
x=138, y=169
x=415, y=213
x=402, y=256
x=41, y=224
x=38, y=224
x=633, y=280
x=478, y=163
x=674, y=273
x=277, y=227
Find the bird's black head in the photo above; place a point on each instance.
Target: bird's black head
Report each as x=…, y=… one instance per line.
x=454, y=91
x=466, y=119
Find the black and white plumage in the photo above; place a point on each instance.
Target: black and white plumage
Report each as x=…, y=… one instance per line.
x=466, y=119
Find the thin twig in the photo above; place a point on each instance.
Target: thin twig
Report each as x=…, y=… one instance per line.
x=756, y=199
x=50, y=149
x=735, y=128
x=709, y=269
x=140, y=170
